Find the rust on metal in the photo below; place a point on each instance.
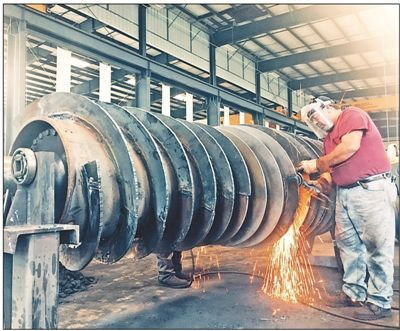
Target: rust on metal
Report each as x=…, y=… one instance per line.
x=157, y=183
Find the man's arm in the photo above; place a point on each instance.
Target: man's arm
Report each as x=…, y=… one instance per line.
x=349, y=145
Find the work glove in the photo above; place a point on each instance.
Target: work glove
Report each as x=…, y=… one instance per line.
x=308, y=166
x=323, y=164
x=322, y=184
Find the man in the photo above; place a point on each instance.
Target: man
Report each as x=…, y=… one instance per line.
x=170, y=271
x=356, y=160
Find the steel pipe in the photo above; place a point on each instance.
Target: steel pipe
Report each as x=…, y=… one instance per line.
x=167, y=184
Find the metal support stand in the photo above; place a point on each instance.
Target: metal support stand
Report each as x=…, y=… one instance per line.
x=31, y=242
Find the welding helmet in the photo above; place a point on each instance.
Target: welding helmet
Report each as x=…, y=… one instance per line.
x=314, y=115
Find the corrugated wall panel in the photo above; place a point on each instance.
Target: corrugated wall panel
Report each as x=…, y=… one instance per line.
x=272, y=85
x=156, y=23
x=241, y=70
x=200, y=42
x=221, y=58
x=127, y=24
x=130, y=12
x=269, y=89
x=235, y=63
x=283, y=89
x=179, y=31
x=249, y=71
x=230, y=77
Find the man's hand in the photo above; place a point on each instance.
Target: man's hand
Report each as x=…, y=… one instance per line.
x=322, y=184
x=308, y=166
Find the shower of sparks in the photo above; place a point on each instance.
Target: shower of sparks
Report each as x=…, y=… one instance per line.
x=288, y=274
x=284, y=267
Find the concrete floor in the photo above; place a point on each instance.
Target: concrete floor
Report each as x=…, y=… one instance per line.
x=127, y=296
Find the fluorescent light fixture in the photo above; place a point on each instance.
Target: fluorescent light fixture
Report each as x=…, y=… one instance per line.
x=78, y=62
x=131, y=81
x=181, y=97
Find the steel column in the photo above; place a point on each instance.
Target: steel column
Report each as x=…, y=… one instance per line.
x=213, y=66
x=16, y=73
x=142, y=30
x=290, y=101
x=143, y=92
x=63, y=34
x=213, y=109
x=258, y=87
x=213, y=102
x=258, y=118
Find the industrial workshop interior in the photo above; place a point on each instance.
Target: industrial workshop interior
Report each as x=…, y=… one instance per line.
x=201, y=166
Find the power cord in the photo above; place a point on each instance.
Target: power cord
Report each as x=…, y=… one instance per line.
x=304, y=303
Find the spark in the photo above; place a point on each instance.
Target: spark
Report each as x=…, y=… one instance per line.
x=216, y=258
x=288, y=274
x=275, y=311
x=254, y=270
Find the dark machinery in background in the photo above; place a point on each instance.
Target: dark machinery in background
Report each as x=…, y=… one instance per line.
x=104, y=179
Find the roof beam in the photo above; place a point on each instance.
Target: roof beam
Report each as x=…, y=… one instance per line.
x=99, y=49
x=292, y=18
x=368, y=92
x=340, y=77
x=359, y=46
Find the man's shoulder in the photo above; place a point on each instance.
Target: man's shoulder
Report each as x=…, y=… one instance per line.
x=352, y=109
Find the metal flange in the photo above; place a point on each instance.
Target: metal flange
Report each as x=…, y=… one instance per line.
x=23, y=166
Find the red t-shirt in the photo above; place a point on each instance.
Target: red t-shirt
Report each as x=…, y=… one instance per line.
x=370, y=159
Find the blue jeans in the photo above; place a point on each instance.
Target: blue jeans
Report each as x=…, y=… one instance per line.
x=169, y=263
x=365, y=230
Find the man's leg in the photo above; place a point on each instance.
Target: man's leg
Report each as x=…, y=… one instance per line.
x=166, y=272
x=352, y=249
x=177, y=263
x=373, y=206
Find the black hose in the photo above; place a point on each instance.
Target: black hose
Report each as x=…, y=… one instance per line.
x=304, y=303
x=349, y=318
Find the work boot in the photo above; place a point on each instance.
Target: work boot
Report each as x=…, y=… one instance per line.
x=176, y=260
x=184, y=275
x=341, y=300
x=370, y=312
x=172, y=281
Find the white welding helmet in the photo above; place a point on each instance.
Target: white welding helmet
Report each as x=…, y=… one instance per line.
x=315, y=117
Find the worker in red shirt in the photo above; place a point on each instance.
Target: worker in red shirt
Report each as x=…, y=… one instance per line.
x=355, y=158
